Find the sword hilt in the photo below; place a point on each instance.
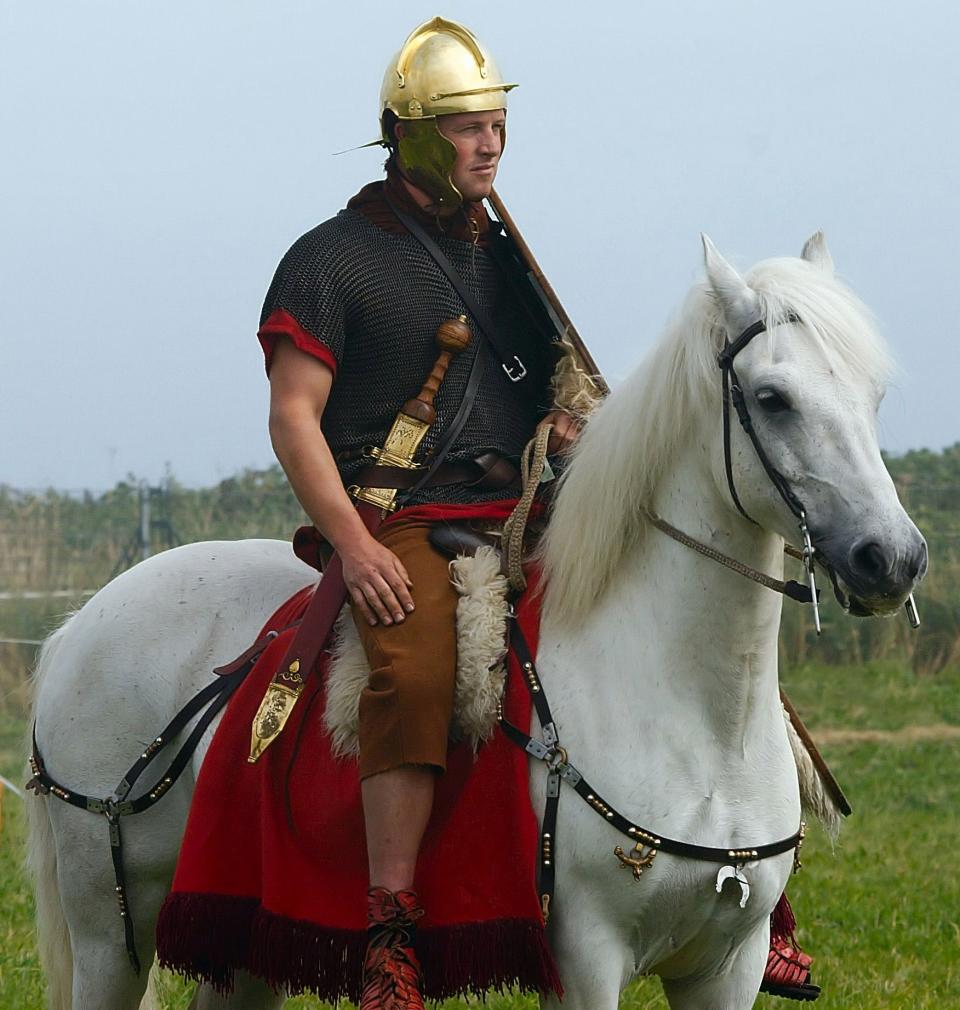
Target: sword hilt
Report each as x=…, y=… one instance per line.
x=453, y=336
x=415, y=417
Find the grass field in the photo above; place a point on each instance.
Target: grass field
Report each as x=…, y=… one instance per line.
x=881, y=915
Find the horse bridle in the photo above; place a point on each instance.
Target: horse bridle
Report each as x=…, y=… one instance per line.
x=733, y=396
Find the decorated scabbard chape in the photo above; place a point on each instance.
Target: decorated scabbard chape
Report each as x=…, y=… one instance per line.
x=415, y=417
x=275, y=709
x=407, y=432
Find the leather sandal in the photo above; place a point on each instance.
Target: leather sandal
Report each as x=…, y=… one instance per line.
x=392, y=978
x=788, y=972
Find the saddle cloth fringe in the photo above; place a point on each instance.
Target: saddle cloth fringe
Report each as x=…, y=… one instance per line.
x=481, y=651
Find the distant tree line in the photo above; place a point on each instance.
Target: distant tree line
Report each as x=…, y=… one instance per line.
x=929, y=487
x=68, y=541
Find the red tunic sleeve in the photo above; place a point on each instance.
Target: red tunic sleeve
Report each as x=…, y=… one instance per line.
x=281, y=324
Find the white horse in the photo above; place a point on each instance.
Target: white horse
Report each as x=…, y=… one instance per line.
x=660, y=665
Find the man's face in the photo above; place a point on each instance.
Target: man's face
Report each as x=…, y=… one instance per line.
x=478, y=138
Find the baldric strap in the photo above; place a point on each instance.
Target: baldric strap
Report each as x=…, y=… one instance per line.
x=512, y=364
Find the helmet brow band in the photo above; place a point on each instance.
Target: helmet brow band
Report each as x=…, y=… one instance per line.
x=471, y=91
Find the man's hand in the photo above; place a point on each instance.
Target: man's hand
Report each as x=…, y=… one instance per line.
x=566, y=430
x=377, y=582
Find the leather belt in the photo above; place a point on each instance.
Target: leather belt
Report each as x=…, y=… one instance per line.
x=488, y=472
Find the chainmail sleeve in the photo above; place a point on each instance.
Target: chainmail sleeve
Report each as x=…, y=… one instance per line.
x=307, y=298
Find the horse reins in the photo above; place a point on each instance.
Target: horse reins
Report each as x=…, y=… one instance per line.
x=795, y=590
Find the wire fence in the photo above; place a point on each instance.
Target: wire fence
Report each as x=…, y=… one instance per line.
x=57, y=548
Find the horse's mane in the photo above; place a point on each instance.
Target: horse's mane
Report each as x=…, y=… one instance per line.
x=629, y=441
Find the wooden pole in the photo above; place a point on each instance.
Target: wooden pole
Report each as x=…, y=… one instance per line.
x=570, y=331
x=833, y=786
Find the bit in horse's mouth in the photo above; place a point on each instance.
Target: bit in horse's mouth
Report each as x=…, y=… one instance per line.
x=857, y=608
x=875, y=606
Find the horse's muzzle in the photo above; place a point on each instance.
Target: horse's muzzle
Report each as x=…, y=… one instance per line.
x=879, y=574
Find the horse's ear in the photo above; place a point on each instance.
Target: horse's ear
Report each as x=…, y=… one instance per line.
x=739, y=302
x=815, y=251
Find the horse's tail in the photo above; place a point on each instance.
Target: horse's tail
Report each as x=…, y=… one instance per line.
x=814, y=795
x=56, y=957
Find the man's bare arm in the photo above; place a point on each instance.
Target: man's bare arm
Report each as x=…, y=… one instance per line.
x=299, y=387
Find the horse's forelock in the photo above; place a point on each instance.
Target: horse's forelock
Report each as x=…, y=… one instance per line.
x=843, y=326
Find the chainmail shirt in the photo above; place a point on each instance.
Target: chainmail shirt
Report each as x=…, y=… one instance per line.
x=375, y=300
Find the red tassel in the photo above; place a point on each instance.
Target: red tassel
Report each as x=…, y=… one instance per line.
x=782, y=921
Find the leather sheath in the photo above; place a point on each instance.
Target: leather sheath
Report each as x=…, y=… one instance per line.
x=308, y=642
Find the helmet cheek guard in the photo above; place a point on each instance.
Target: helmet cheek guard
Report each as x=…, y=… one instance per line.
x=442, y=69
x=426, y=157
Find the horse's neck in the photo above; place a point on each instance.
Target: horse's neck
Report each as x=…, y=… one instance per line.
x=682, y=635
x=724, y=625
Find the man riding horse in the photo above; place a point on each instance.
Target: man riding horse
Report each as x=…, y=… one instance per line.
x=348, y=331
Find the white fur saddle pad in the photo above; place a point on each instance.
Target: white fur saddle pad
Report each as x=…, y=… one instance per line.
x=481, y=649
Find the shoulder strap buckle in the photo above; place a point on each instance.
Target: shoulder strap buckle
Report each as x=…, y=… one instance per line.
x=515, y=372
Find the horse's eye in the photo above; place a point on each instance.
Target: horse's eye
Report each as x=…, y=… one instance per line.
x=771, y=401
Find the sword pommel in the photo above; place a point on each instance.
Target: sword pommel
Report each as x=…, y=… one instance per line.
x=453, y=336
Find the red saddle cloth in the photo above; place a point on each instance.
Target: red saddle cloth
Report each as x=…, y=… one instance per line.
x=272, y=874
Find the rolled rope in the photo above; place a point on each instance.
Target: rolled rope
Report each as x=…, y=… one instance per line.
x=532, y=463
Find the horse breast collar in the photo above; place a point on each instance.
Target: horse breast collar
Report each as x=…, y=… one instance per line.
x=646, y=844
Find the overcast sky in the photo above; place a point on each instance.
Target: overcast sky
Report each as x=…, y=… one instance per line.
x=160, y=157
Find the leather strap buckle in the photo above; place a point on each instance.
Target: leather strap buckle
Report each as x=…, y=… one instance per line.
x=517, y=372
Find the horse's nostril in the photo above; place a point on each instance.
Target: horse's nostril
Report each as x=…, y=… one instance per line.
x=870, y=560
x=917, y=561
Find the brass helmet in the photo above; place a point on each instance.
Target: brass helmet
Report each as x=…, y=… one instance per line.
x=440, y=70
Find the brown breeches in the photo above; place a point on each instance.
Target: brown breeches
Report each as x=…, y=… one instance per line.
x=406, y=708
